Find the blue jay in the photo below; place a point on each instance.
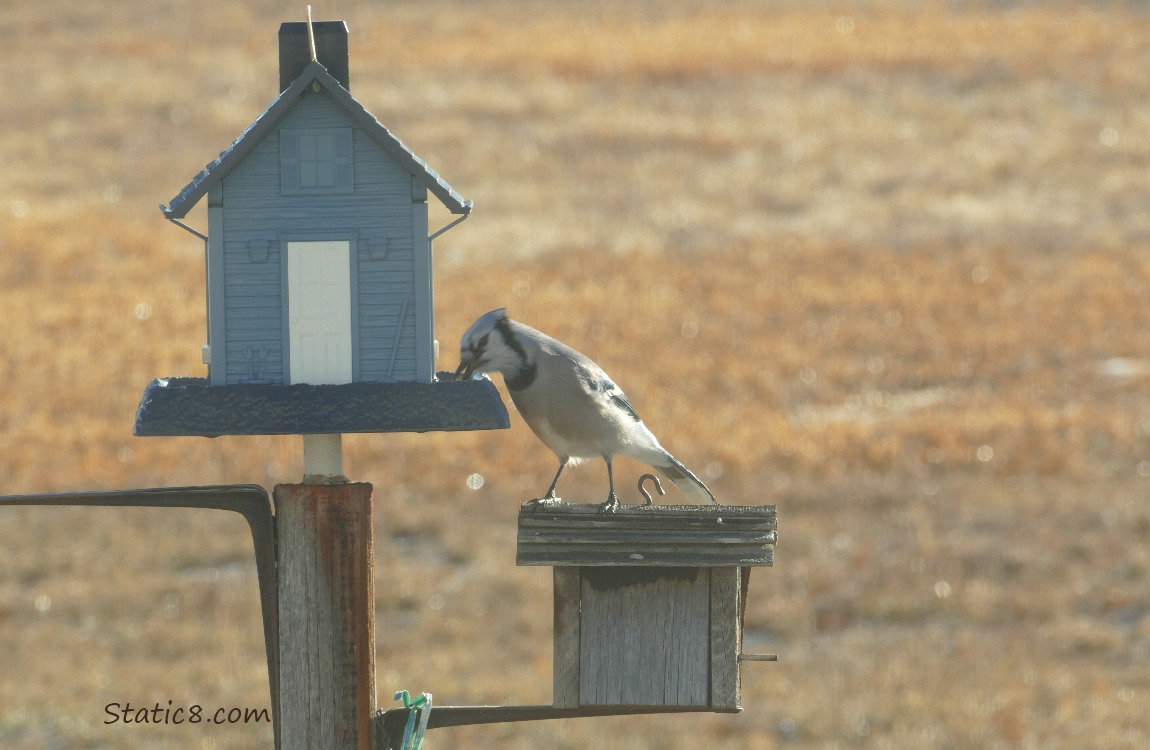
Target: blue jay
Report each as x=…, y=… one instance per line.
x=569, y=402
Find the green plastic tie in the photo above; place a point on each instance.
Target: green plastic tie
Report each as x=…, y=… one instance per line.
x=421, y=706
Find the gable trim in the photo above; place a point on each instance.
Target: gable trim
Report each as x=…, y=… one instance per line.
x=316, y=78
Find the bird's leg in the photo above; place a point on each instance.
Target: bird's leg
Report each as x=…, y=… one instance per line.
x=550, y=499
x=612, y=501
x=554, y=482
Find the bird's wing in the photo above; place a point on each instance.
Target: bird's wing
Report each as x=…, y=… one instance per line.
x=596, y=382
x=618, y=398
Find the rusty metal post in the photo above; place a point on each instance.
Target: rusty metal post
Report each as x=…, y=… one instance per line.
x=324, y=556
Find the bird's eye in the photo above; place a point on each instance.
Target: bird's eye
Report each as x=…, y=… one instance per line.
x=483, y=341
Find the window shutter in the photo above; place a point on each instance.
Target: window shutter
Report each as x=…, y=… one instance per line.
x=289, y=162
x=343, y=162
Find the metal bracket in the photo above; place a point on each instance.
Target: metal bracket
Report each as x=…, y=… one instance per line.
x=460, y=220
x=249, y=500
x=388, y=725
x=254, y=504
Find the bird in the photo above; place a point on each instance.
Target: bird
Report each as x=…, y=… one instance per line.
x=569, y=402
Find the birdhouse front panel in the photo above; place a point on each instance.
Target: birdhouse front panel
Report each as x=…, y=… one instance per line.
x=629, y=623
x=322, y=267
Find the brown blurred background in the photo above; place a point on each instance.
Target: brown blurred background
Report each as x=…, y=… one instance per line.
x=882, y=264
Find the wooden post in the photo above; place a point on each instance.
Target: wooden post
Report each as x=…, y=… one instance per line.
x=324, y=555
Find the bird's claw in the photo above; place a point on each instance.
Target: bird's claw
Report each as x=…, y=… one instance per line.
x=610, y=505
x=550, y=501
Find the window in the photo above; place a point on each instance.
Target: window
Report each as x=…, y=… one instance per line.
x=316, y=161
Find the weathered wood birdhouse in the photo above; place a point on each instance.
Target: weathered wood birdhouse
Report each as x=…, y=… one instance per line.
x=319, y=271
x=648, y=601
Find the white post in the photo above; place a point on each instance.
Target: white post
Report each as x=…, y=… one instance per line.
x=323, y=459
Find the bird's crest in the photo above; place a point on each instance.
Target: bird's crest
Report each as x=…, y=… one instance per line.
x=484, y=325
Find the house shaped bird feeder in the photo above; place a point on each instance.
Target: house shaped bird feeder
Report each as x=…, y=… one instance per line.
x=319, y=322
x=649, y=600
x=319, y=272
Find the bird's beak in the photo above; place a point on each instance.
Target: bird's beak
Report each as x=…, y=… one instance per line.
x=466, y=367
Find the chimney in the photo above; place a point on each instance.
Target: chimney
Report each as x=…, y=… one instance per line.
x=330, y=50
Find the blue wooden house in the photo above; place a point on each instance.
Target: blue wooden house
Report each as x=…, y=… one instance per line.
x=319, y=254
x=319, y=268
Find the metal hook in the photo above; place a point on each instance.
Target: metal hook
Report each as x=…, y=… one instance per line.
x=643, y=490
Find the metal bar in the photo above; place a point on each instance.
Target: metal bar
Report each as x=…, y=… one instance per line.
x=758, y=657
x=449, y=226
x=389, y=724
x=249, y=500
x=182, y=225
x=311, y=35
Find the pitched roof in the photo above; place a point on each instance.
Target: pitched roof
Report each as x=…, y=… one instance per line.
x=267, y=121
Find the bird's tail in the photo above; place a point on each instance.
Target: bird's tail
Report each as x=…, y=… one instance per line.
x=682, y=478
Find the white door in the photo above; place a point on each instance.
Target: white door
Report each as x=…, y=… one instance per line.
x=319, y=312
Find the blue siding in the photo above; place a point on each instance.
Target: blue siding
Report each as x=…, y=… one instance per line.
x=380, y=209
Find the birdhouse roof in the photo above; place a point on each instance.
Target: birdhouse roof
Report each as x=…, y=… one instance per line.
x=636, y=535
x=314, y=73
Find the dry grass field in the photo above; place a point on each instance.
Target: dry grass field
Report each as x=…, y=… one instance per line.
x=886, y=265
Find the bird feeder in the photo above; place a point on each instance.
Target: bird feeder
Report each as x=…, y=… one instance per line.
x=649, y=600
x=318, y=272
x=319, y=307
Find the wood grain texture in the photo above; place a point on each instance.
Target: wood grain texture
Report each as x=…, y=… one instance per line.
x=565, y=667
x=327, y=615
x=644, y=637
x=726, y=636
x=648, y=535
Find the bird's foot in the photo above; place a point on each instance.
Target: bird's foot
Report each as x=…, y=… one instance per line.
x=610, y=505
x=548, y=501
